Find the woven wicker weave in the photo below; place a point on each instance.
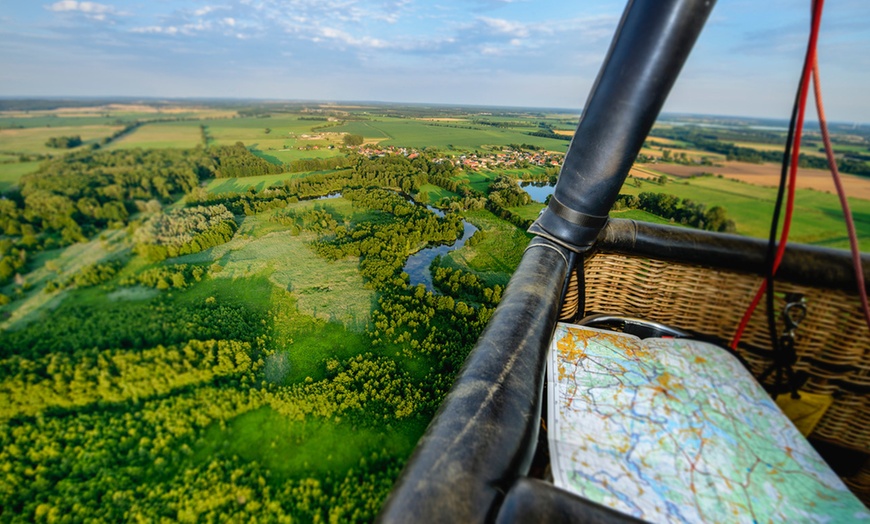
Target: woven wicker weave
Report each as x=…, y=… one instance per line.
x=831, y=342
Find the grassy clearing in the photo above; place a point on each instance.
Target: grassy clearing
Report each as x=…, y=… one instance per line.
x=521, y=173
x=431, y=193
x=641, y=216
x=286, y=155
x=132, y=294
x=32, y=140
x=330, y=291
x=839, y=147
x=498, y=255
x=529, y=212
x=11, y=173
x=160, y=136
x=478, y=180
x=371, y=130
x=242, y=184
x=292, y=449
x=60, y=264
x=308, y=341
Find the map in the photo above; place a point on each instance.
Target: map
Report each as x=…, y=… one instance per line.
x=674, y=430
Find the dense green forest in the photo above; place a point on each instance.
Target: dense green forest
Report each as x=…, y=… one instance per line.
x=126, y=409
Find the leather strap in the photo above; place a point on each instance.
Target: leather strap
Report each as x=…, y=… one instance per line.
x=575, y=217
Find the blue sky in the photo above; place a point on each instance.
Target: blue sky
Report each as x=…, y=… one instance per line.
x=539, y=53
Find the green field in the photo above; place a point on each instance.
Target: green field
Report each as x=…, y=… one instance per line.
x=284, y=141
x=11, y=173
x=331, y=291
x=443, y=135
x=640, y=215
x=498, y=255
x=478, y=180
x=161, y=135
x=242, y=184
x=432, y=193
x=228, y=131
x=118, y=119
x=529, y=212
x=33, y=139
x=817, y=218
x=293, y=152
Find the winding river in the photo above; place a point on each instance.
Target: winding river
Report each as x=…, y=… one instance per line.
x=417, y=266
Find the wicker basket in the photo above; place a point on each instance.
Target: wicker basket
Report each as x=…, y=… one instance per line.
x=831, y=342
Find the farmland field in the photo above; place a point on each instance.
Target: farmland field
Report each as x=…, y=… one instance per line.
x=161, y=135
x=817, y=219
x=261, y=182
x=33, y=139
x=443, y=135
x=11, y=172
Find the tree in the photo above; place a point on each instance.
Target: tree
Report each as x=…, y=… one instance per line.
x=64, y=142
x=353, y=140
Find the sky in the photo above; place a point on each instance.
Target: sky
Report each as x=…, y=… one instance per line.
x=524, y=53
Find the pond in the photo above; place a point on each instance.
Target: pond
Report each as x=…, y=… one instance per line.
x=539, y=191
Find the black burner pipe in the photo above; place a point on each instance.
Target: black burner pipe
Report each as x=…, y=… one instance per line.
x=482, y=439
x=651, y=44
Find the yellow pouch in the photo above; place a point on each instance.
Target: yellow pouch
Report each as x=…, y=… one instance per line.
x=804, y=412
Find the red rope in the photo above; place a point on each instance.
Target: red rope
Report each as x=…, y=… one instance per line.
x=841, y=192
x=792, y=177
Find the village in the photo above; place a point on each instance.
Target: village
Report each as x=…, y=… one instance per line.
x=506, y=157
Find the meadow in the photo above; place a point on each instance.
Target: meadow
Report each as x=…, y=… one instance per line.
x=817, y=219
x=160, y=135
x=259, y=182
x=443, y=135
x=11, y=173
x=495, y=257
x=32, y=139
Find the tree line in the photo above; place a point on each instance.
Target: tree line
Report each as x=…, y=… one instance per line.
x=64, y=142
x=705, y=141
x=683, y=211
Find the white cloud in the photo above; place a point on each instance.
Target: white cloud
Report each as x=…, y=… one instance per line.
x=345, y=38
x=91, y=10
x=204, y=10
x=155, y=29
x=507, y=27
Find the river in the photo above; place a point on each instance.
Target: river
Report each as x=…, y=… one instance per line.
x=417, y=266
